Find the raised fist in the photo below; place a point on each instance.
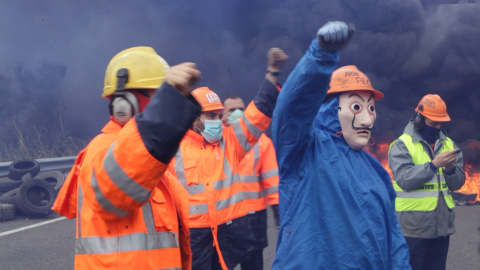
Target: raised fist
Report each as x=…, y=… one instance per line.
x=335, y=35
x=275, y=59
x=182, y=77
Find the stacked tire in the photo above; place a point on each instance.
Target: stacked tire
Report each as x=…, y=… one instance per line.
x=28, y=190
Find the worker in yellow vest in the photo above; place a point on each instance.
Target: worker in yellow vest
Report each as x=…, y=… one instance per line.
x=426, y=165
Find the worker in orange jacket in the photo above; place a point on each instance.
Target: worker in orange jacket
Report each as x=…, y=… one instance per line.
x=259, y=174
x=206, y=164
x=128, y=217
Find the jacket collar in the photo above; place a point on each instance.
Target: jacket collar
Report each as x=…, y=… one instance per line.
x=112, y=127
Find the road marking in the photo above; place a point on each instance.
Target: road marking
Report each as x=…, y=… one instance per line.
x=31, y=226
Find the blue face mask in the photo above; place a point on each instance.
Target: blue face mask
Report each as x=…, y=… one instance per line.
x=213, y=130
x=234, y=116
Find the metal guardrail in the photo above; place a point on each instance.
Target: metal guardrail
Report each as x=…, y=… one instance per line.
x=46, y=164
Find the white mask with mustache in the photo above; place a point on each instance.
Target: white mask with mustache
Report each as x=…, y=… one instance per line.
x=357, y=115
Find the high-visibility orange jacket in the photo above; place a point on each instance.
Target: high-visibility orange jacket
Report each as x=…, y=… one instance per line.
x=127, y=215
x=259, y=175
x=210, y=173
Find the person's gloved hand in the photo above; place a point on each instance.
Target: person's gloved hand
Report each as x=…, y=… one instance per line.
x=335, y=35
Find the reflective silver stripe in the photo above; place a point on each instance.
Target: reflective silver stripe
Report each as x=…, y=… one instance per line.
x=256, y=157
x=254, y=194
x=228, y=171
x=270, y=173
x=124, y=243
x=180, y=169
x=198, y=209
x=103, y=201
x=251, y=128
x=196, y=189
x=224, y=183
x=271, y=190
x=79, y=209
x=420, y=194
x=235, y=198
x=249, y=179
x=122, y=180
x=148, y=217
x=241, y=137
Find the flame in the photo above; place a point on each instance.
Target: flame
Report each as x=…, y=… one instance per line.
x=472, y=176
x=472, y=182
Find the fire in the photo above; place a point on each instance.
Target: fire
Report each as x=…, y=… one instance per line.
x=472, y=176
x=472, y=182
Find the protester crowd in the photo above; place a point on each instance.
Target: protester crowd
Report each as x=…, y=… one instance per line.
x=179, y=179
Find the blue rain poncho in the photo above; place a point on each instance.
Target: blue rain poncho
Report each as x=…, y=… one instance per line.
x=336, y=204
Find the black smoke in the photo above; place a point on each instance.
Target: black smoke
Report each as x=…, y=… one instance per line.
x=58, y=51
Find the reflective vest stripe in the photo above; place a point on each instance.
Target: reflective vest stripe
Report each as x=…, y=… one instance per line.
x=270, y=173
x=240, y=134
x=103, y=201
x=235, y=198
x=196, y=189
x=125, y=243
x=420, y=194
x=249, y=178
x=198, y=209
x=251, y=128
x=122, y=180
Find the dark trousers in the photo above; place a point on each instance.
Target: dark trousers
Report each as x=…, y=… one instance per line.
x=428, y=254
x=255, y=262
x=258, y=221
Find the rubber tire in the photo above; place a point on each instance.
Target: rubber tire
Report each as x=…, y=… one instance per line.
x=19, y=168
x=54, y=178
x=7, y=212
x=9, y=197
x=27, y=199
x=7, y=184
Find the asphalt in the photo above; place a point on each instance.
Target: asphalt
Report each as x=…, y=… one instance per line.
x=51, y=246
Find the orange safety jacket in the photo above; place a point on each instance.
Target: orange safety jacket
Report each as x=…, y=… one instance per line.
x=127, y=215
x=259, y=175
x=210, y=174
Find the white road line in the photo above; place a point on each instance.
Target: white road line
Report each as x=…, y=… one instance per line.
x=31, y=226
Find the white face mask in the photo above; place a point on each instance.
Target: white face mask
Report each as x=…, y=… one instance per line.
x=356, y=115
x=213, y=130
x=123, y=107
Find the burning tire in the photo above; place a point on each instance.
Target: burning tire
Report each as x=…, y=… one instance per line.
x=35, y=198
x=7, y=211
x=19, y=168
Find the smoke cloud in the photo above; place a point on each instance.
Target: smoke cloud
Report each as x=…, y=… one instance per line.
x=56, y=52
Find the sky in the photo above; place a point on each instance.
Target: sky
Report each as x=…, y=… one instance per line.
x=57, y=51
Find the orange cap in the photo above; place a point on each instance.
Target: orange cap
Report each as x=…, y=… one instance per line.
x=349, y=78
x=208, y=99
x=434, y=108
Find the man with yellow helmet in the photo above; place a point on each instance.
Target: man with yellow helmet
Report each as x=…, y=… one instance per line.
x=127, y=216
x=426, y=165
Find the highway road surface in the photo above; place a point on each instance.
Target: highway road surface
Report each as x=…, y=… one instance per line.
x=48, y=243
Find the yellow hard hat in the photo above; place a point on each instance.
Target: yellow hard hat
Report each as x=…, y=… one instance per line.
x=135, y=68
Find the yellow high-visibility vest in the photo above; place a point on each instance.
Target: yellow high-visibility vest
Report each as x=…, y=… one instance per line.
x=425, y=197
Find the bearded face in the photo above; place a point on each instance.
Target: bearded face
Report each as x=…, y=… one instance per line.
x=357, y=115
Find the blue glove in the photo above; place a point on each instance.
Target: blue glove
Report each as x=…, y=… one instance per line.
x=335, y=35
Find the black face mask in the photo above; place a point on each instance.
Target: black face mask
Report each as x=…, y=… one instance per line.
x=430, y=134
